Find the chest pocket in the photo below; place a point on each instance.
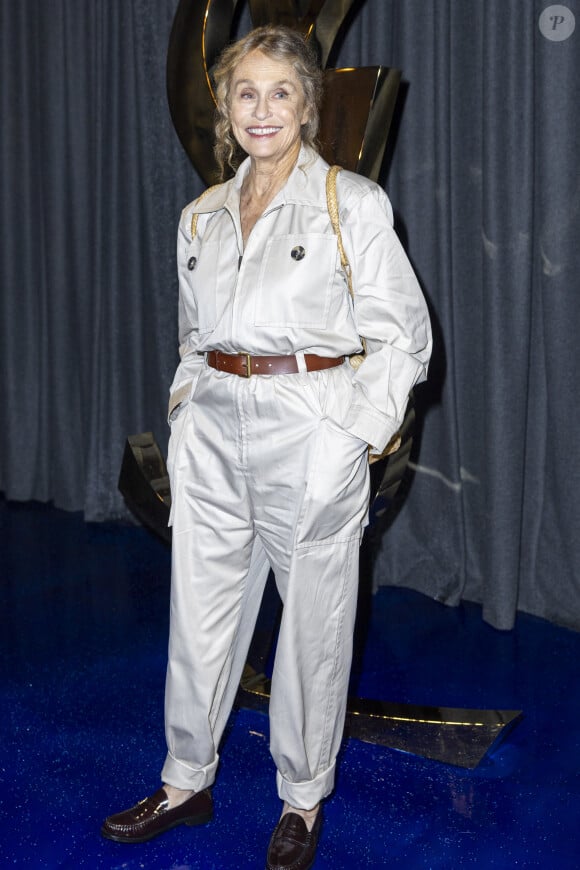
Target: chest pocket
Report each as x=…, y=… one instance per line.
x=296, y=280
x=205, y=280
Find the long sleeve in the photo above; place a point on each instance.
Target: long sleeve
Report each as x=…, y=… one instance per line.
x=390, y=313
x=190, y=361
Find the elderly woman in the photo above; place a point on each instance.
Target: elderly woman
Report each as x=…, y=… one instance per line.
x=270, y=432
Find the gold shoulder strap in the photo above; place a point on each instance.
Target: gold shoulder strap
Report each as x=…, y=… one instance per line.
x=195, y=215
x=332, y=205
x=356, y=359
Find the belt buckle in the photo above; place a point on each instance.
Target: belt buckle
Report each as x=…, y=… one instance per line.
x=247, y=360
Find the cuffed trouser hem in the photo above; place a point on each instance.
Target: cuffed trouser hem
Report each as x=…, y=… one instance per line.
x=305, y=795
x=180, y=775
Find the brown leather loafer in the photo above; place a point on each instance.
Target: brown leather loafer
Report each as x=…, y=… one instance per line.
x=152, y=816
x=293, y=846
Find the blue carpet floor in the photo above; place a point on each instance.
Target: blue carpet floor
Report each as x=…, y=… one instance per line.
x=83, y=621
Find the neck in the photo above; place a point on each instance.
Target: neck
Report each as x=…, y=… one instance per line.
x=265, y=177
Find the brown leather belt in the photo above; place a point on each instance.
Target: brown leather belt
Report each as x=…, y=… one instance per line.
x=244, y=364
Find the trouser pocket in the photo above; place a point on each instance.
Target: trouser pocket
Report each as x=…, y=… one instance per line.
x=335, y=501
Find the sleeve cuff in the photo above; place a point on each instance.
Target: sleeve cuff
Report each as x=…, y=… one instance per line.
x=375, y=429
x=177, y=397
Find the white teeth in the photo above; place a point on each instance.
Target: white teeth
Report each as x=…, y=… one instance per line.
x=262, y=131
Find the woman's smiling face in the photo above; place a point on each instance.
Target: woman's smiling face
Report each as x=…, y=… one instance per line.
x=267, y=108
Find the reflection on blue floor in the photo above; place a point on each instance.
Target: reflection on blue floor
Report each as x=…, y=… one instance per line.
x=84, y=630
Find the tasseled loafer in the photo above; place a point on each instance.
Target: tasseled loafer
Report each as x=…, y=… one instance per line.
x=293, y=846
x=153, y=816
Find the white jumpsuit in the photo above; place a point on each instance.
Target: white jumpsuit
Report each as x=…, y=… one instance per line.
x=271, y=471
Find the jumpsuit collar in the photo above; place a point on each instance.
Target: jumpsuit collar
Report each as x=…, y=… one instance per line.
x=298, y=187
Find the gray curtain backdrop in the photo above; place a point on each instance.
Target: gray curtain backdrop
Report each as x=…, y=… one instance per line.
x=483, y=172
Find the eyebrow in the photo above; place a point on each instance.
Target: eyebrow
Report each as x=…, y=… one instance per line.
x=284, y=82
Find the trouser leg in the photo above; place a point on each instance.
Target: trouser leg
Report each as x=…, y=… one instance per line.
x=314, y=481
x=312, y=669
x=204, y=669
x=219, y=570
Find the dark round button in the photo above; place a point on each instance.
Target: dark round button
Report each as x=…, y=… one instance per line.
x=191, y=263
x=297, y=253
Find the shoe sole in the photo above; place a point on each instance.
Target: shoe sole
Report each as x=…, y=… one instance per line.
x=308, y=866
x=191, y=822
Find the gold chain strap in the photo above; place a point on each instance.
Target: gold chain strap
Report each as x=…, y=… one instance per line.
x=332, y=205
x=357, y=359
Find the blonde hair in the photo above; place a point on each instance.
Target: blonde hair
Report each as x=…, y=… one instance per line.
x=282, y=44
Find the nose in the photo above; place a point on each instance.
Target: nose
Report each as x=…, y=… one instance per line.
x=262, y=108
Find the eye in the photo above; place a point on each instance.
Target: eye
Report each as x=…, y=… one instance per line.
x=280, y=94
x=246, y=95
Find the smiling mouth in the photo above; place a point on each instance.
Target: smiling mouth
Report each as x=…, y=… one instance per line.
x=263, y=131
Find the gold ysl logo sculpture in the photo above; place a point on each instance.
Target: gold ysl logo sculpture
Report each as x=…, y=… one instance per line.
x=358, y=103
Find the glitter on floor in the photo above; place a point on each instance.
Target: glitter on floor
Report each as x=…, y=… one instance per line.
x=83, y=620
